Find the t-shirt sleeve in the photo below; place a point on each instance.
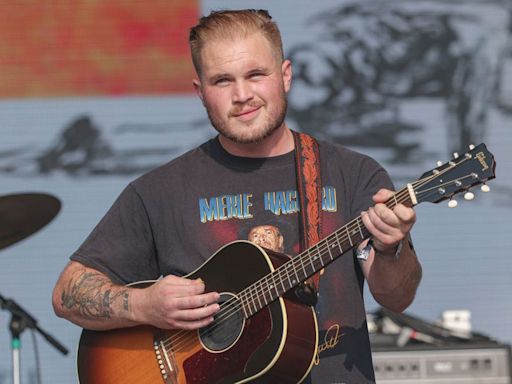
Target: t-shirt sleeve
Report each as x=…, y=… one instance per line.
x=122, y=245
x=371, y=177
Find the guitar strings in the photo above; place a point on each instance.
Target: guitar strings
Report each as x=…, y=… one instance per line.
x=232, y=306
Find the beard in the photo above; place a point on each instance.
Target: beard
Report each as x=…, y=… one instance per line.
x=242, y=133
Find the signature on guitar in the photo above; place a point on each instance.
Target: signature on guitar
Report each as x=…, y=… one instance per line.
x=331, y=339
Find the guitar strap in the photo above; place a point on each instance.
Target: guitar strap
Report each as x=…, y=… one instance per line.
x=309, y=187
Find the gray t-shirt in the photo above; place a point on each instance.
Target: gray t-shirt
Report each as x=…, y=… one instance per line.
x=172, y=219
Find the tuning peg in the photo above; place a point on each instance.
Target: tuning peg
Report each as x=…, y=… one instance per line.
x=469, y=196
x=439, y=163
x=471, y=147
x=485, y=188
x=452, y=203
x=455, y=155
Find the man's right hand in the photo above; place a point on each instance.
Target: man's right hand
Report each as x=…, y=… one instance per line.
x=174, y=303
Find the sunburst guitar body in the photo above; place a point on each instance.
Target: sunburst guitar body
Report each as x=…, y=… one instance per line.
x=249, y=340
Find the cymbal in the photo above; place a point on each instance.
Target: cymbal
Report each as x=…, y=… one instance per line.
x=24, y=214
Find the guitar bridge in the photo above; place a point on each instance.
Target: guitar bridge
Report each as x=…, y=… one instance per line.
x=165, y=359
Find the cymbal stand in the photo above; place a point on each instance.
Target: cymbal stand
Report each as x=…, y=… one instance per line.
x=16, y=326
x=20, y=320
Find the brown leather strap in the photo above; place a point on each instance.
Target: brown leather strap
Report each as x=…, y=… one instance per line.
x=309, y=186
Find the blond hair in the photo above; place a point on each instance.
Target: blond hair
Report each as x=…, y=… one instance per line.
x=233, y=24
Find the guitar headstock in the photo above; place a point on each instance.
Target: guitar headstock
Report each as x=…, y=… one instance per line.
x=463, y=172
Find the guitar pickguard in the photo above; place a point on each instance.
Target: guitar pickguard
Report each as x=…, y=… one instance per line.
x=223, y=367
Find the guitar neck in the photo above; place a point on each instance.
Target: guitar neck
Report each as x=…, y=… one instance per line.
x=307, y=263
x=461, y=173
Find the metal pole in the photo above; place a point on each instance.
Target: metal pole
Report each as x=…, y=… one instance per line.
x=16, y=345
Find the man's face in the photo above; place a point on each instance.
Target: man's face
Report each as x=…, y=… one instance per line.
x=243, y=87
x=267, y=236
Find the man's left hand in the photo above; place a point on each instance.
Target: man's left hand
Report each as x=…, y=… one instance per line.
x=387, y=226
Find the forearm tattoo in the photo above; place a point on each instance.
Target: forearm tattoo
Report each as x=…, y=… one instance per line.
x=94, y=296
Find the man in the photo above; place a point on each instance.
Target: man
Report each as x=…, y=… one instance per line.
x=169, y=221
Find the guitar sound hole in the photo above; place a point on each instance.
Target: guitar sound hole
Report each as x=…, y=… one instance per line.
x=226, y=327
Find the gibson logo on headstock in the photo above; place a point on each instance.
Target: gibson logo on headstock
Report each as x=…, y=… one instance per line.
x=481, y=158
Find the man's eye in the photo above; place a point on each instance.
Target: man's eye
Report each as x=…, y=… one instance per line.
x=221, y=81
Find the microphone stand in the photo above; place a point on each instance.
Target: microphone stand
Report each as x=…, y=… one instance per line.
x=20, y=320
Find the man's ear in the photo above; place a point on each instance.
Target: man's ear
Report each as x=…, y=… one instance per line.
x=198, y=89
x=286, y=71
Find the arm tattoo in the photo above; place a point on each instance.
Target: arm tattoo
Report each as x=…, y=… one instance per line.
x=91, y=294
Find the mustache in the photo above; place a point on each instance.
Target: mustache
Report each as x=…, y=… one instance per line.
x=237, y=110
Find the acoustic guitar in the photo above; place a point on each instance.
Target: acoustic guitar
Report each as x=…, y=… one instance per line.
x=263, y=332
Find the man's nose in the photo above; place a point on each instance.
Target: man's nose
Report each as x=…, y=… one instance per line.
x=242, y=92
